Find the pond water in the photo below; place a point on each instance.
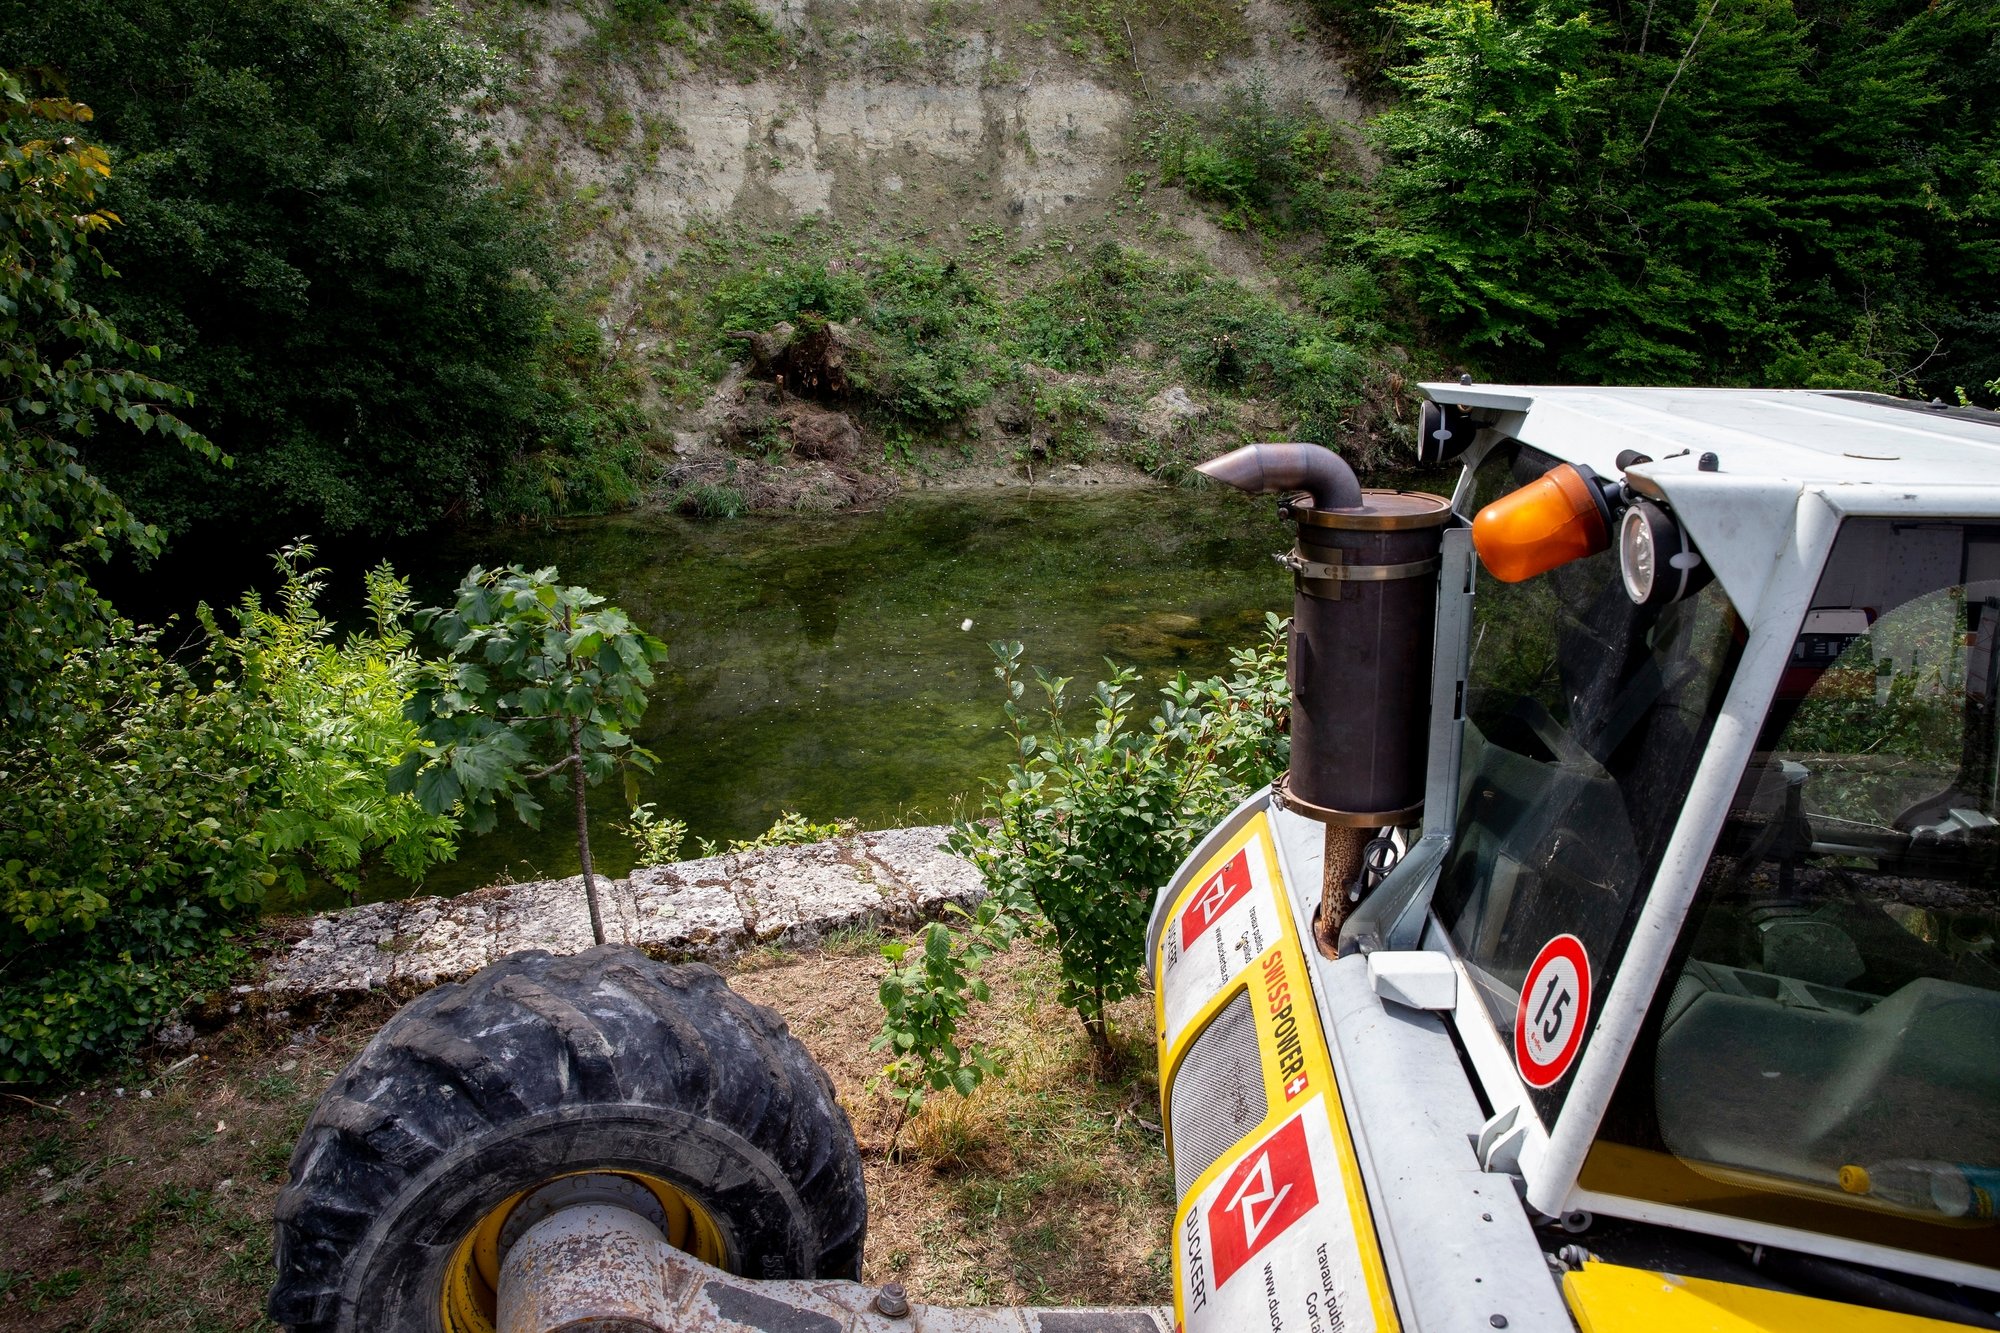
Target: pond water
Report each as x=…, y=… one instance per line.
x=819, y=664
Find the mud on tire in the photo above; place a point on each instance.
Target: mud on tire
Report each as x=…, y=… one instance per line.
x=539, y=1067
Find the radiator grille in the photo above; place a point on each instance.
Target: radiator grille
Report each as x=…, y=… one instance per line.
x=1218, y=1095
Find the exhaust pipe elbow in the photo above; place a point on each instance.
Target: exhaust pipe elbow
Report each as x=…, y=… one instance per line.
x=1313, y=468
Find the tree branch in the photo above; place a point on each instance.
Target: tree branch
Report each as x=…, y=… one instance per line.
x=1678, y=70
x=1937, y=345
x=557, y=767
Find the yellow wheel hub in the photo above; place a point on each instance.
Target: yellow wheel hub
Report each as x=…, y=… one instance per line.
x=472, y=1283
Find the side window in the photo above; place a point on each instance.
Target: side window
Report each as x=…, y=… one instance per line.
x=1586, y=717
x=1828, y=1054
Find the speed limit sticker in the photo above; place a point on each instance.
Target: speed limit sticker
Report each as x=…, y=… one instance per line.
x=1555, y=1001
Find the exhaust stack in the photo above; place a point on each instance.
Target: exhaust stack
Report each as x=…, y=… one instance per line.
x=1264, y=468
x=1364, y=611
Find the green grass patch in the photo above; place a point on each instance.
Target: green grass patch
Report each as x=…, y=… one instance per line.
x=937, y=333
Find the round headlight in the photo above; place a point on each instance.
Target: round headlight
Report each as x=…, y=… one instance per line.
x=1657, y=561
x=1443, y=433
x=1638, y=555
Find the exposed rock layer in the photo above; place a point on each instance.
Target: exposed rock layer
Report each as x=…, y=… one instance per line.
x=709, y=908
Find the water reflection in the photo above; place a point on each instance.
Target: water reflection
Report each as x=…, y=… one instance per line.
x=819, y=665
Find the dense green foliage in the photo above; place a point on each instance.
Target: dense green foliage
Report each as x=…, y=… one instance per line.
x=366, y=319
x=1269, y=167
x=543, y=685
x=154, y=812
x=129, y=844
x=1094, y=818
x=656, y=839
x=1785, y=192
x=329, y=724
x=938, y=334
x=792, y=829
x=925, y=325
x=121, y=827
x=143, y=811
x=64, y=370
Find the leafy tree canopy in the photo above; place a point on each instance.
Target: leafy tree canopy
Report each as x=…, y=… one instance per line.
x=1797, y=192
x=64, y=368
x=309, y=240
x=544, y=684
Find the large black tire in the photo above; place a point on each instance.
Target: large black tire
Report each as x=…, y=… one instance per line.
x=539, y=1067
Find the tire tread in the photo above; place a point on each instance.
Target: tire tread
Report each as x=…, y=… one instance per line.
x=536, y=1033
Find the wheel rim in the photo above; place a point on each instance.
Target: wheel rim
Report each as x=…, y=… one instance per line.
x=472, y=1282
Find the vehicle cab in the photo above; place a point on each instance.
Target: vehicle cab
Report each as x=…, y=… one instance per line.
x=1678, y=1004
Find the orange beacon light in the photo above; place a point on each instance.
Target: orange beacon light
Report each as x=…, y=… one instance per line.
x=1558, y=517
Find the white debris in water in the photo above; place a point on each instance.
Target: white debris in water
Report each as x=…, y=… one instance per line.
x=965, y=624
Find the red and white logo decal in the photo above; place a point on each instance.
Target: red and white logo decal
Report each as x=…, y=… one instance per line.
x=1267, y=1192
x=1223, y=890
x=1555, y=1002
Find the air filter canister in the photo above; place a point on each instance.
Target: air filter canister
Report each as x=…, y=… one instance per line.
x=1363, y=614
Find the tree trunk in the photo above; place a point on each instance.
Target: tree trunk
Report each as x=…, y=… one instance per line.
x=583, y=829
x=1099, y=1032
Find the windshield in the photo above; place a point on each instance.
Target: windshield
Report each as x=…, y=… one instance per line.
x=1585, y=719
x=1825, y=1053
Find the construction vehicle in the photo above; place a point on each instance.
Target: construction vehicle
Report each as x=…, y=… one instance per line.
x=1617, y=953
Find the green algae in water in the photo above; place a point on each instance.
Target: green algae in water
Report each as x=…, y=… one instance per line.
x=818, y=663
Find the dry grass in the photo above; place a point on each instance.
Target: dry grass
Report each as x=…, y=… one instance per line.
x=143, y=1201
x=1049, y=1187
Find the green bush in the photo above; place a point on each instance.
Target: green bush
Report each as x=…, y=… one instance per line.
x=933, y=337
x=115, y=991
x=656, y=839
x=792, y=829
x=926, y=325
x=1745, y=191
x=312, y=243
x=328, y=720
x=1077, y=320
x=745, y=41
x=130, y=841
x=1235, y=341
x=1096, y=816
x=705, y=500
x=590, y=456
x=542, y=689
x=1071, y=414
x=787, y=293
x=632, y=22
x=151, y=815
x=930, y=323
x=926, y=996
x=1277, y=170
x=67, y=375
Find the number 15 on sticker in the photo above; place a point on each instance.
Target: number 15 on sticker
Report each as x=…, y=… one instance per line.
x=1555, y=1002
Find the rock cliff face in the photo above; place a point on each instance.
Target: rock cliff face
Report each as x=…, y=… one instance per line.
x=894, y=116
x=957, y=225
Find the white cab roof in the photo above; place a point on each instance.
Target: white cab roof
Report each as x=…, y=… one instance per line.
x=1778, y=455
x=1801, y=437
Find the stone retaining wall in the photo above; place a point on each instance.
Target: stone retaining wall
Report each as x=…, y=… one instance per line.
x=709, y=909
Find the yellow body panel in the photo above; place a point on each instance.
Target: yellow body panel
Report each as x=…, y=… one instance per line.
x=1293, y=1052
x=1254, y=839
x=1607, y=1298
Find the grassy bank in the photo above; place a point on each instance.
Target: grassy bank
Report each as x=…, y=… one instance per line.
x=143, y=1200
